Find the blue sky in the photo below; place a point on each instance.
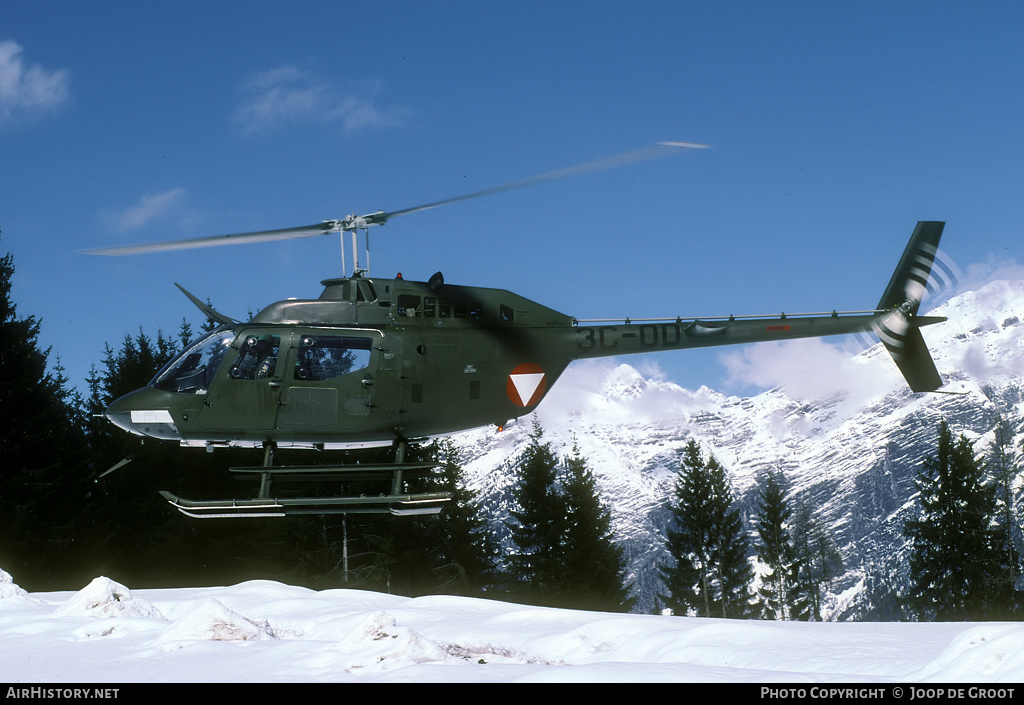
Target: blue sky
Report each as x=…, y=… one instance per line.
x=835, y=127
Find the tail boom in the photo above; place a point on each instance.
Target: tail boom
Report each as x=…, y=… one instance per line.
x=645, y=337
x=894, y=320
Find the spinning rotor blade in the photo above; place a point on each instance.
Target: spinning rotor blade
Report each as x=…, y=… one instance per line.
x=659, y=149
x=353, y=222
x=216, y=240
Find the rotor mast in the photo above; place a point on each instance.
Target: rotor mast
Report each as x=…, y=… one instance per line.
x=355, y=223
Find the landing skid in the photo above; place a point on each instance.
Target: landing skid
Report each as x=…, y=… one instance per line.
x=396, y=505
x=264, y=505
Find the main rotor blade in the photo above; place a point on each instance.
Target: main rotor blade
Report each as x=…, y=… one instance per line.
x=352, y=222
x=216, y=240
x=659, y=149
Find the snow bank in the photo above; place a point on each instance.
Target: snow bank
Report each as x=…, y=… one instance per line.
x=212, y=621
x=265, y=632
x=105, y=598
x=981, y=652
x=378, y=643
x=8, y=589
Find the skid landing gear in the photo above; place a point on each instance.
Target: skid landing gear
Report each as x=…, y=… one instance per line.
x=264, y=505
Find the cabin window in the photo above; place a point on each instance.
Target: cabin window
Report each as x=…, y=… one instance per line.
x=323, y=357
x=257, y=358
x=468, y=309
x=408, y=305
x=193, y=369
x=437, y=307
x=507, y=314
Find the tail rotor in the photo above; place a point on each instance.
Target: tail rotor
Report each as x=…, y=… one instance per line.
x=899, y=326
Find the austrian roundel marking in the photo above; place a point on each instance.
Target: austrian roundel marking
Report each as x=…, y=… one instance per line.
x=526, y=384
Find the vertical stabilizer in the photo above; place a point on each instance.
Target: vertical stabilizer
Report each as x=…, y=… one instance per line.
x=899, y=328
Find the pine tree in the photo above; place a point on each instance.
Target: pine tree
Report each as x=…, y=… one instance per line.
x=539, y=517
x=819, y=559
x=135, y=364
x=42, y=483
x=1002, y=465
x=734, y=571
x=707, y=541
x=882, y=602
x=593, y=563
x=779, y=593
x=466, y=550
x=565, y=555
x=688, y=537
x=954, y=565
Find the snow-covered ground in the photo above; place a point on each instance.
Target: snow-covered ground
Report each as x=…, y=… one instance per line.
x=262, y=632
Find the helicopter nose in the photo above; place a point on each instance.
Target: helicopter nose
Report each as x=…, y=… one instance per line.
x=144, y=412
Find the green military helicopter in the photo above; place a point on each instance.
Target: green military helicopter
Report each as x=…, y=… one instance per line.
x=378, y=362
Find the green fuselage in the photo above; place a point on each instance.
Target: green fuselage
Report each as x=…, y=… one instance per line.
x=373, y=361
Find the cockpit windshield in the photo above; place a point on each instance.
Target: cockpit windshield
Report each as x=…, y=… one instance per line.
x=193, y=369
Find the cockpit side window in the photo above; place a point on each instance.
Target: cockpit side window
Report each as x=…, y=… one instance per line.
x=366, y=291
x=193, y=369
x=324, y=357
x=257, y=357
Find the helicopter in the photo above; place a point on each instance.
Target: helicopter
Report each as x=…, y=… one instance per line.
x=392, y=361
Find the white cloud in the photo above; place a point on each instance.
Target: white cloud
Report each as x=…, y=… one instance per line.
x=26, y=91
x=148, y=208
x=806, y=369
x=994, y=268
x=289, y=95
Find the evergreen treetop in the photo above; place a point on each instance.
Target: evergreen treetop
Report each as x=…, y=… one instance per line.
x=539, y=518
x=594, y=563
x=42, y=481
x=707, y=541
x=565, y=551
x=955, y=562
x=780, y=592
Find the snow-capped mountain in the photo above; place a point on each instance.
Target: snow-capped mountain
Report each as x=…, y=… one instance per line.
x=846, y=432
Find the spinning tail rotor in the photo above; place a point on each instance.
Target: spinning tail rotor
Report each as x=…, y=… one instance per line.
x=899, y=327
